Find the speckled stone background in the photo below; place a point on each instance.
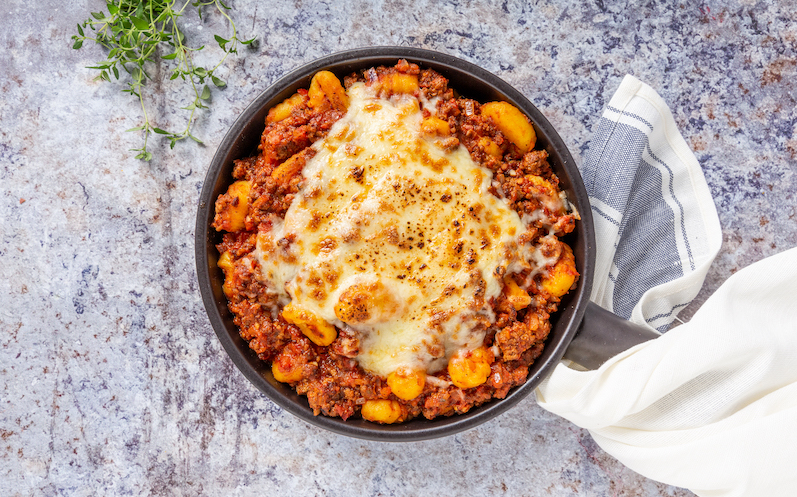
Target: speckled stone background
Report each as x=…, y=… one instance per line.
x=111, y=379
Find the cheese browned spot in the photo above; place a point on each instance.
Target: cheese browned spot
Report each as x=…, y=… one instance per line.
x=394, y=237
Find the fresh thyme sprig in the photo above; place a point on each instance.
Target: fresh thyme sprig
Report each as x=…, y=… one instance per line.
x=138, y=32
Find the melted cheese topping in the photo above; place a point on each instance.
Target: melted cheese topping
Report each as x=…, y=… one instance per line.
x=395, y=238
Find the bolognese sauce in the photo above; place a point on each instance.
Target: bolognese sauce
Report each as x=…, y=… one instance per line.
x=393, y=250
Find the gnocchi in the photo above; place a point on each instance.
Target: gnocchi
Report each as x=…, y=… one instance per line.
x=316, y=329
x=285, y=368
x=233, y=217
x=365, y=303
x=518, y=297
x=470, y=369
x=406, y=383
x=434, y=126
x=382, y=411
x=512, y=123
x=225, y=264
x=286, y=107
x=399, y=83
x=327, y=92
x=562, y=276
x=288, y=169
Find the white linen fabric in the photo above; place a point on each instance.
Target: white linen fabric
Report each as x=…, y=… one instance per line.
x=710, y=405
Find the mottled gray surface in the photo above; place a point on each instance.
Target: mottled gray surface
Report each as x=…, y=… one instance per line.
x=111, y=379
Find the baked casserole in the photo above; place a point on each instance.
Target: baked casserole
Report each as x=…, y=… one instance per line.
x=393, y=250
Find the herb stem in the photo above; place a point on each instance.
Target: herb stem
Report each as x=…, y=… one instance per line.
x=137, y=33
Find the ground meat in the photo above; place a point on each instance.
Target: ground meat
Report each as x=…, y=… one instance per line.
x=266, y=336
x=340, y=387
x=453, y=400
x=283, y=139
x=239, y=243
x=434, y=85
x=374, y=74
x=518, y=337
x=244, y=168
x=269, y=196
x=347, y=344
x=536, y=163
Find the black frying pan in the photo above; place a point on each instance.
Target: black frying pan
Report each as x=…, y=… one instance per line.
x=581, y=331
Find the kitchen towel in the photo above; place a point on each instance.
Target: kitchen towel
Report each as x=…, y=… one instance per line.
x=711, y=405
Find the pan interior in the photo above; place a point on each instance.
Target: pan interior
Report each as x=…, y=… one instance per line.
x=241, y=141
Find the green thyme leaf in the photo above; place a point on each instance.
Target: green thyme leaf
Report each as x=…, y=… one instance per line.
x=140, y=23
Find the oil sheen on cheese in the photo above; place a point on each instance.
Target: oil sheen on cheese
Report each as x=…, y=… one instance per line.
x=402, y=236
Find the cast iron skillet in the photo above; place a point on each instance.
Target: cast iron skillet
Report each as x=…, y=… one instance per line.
x=576, y=316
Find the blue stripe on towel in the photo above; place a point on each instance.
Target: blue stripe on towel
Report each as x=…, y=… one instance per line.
x=680, y=207
x=633, y=116
x=646, y=253
x=606, y=216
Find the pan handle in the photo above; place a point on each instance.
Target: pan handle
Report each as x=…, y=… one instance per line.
x=602, y=335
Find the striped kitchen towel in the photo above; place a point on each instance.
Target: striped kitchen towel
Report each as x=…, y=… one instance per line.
x=656, y=226
x=710, y=405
